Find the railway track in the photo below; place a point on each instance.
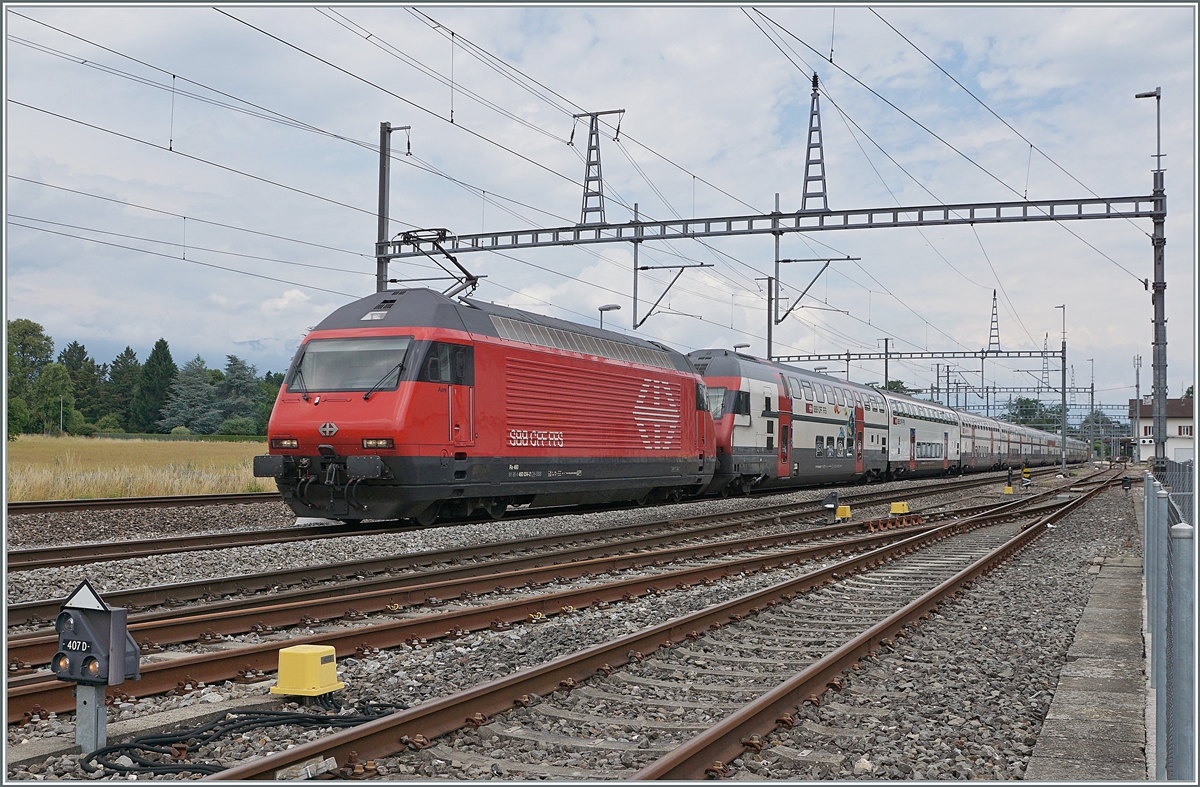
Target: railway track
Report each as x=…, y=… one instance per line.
x=177, y=593
x=164, y=501
x=25, y=692
x=665, y=702
x=78, y=554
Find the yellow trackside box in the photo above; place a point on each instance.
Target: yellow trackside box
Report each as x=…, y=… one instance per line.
x=900, y=508
x=307, y=671
x=843, y=512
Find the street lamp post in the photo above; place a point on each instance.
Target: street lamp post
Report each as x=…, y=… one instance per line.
x=608, y=307
x=1159, y=242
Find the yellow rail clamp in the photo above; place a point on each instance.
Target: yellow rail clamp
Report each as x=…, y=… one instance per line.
x=843, y=512
x=900, y=508
x=307, y=671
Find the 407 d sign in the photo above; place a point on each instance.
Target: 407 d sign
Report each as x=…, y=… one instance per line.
x=535, y=439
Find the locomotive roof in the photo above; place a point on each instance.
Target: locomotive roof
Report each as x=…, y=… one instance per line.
x=422, y=307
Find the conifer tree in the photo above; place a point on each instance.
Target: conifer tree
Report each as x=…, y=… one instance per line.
x=121, y=385
x=154, y=383
x=191, y=402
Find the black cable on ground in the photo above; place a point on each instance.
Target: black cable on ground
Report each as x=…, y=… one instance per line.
x=165, y=753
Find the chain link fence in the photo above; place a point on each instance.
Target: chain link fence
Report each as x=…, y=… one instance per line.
x=1169, y=561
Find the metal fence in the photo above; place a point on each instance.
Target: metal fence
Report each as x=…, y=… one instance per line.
x=1169, y=560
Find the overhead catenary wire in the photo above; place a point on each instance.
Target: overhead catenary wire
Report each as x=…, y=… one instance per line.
x=947, y=144
x=181, y=259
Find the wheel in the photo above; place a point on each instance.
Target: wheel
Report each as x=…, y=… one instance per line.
x=495, y=508
x=428, y=516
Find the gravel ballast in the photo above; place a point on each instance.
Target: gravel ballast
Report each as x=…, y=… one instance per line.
x=999, y=693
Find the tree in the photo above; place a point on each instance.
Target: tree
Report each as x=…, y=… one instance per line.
x=121, y=386
x=897, y=386
x=238, y=391
x=87, y=380
x=154, y=382
x=29, y=350
x=18, y=416
x=1188, y=393
x=191, y=401
x=268, y=391
x=53, y=399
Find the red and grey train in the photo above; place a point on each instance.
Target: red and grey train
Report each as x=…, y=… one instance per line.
x=407, y=404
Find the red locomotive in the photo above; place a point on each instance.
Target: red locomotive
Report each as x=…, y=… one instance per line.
x=409, y=404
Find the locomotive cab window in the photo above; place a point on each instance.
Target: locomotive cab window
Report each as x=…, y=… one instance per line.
x=448, y=363
x=702, y=396
x=716, y=402
x=358, y=364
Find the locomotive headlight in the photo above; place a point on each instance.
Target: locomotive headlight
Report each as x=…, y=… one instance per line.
x=284, y=442
x=61, y=662
x=91, y=667
x=378, y=442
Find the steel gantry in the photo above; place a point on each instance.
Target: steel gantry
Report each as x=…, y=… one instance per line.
x=593, y=228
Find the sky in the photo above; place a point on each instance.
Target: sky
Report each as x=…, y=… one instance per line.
x=210, y=176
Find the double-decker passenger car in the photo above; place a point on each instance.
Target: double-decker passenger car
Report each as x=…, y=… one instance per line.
x=780, y=425
x=408, y=404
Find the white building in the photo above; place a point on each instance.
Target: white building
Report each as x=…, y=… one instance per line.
x=1180, y=419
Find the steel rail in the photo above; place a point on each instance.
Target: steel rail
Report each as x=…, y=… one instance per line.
x=47, y=609
x=435, y=587
x=77, y=554
x=163, y=501
x=291, y=608
x=417, y=726
x=722, y=742
x=53, y=695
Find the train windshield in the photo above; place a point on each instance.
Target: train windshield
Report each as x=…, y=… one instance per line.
x=359, y=364
x=716, y=402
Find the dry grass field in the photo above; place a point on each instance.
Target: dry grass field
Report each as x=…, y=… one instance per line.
x=64, y=468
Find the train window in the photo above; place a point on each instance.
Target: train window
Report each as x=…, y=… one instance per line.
x=850, y=443
x=820, y=445
x=837, y=392
x=820, y=393
x=883, y=442
x=841, y=446
x=770, y=427
x=767, y=404
x=716, y=402
x=701, y=397
x=448, y=363
x=808, y=390
x=741, y=403
x=350, y=364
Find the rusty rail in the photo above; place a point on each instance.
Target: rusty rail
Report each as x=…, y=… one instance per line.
x=722, y=742
x=47, y=609
x=429, y=720
x=164, y=501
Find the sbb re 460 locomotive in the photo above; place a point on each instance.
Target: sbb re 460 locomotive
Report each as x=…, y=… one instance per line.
x=409, y=404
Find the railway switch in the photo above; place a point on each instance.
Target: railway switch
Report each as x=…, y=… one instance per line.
x=94, y=650
x=307, y=671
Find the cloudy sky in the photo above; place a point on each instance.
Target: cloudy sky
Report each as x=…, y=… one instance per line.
x=210, y=176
